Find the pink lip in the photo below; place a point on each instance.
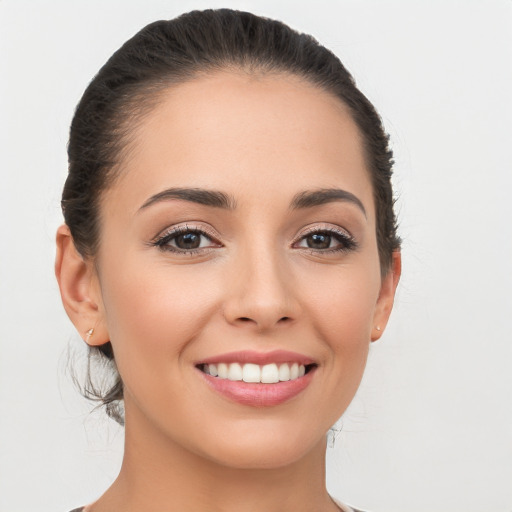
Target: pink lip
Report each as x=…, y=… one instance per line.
x=261, y=358
x=257, y=394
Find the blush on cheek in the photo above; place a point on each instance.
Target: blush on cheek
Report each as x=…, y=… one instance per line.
x=153, y=313
x=347, y=315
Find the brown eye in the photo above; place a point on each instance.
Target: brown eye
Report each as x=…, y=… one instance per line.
x=318, y=241
x=188, y=241
x=327, y=241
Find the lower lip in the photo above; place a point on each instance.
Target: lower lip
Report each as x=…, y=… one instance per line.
x=259, y=395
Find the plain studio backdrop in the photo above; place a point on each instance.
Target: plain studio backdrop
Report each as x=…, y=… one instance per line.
x=431, y=426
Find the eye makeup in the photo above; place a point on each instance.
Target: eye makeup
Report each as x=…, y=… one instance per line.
x=326, y=239
x=192, y=239
x=186, y=240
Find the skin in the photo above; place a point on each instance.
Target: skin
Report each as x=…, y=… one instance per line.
x=254, y=285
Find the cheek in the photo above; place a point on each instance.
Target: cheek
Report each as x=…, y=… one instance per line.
x=342, y=302
x=345, y=314
x=153, y=312
x=341, y=305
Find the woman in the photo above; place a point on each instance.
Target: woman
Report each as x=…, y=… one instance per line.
x=230, y=247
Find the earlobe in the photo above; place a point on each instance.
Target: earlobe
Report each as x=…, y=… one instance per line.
x=79, y=290
x=386, y=296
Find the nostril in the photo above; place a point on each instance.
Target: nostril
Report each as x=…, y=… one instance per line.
x=263, y=322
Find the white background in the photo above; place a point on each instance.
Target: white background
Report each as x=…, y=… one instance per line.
x=431, y=427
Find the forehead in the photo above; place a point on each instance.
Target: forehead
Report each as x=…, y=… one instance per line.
x=248, y=135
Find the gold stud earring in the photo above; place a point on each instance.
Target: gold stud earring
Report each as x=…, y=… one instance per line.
x=378, y=328
x=88, y=335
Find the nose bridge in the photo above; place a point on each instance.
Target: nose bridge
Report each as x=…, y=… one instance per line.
x=260, y=291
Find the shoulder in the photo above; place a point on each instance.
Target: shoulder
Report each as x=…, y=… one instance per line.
x=343, y=507
x=346, y=508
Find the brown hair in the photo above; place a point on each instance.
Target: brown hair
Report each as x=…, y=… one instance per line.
x=170, y=52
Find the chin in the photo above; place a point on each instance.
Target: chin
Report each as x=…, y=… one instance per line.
x=262, y=449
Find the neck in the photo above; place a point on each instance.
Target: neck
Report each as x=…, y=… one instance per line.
x=158, y=475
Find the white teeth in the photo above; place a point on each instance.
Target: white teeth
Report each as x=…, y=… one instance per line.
x=284, y=372
x=235, y=372
x=269, y=374
x=222, y=370
x=249, y=372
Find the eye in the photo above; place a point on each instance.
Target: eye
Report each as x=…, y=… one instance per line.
x=319, y=241
x=186, y=240
x=326, y=240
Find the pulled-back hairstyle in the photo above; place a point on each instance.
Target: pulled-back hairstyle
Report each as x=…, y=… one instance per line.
x=165, y=53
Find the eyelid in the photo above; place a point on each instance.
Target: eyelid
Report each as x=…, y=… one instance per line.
x=183, y=227
x=350, y=243
x=162, y=237
x=323, y=227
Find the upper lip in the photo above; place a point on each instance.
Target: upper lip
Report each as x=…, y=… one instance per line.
x=260, y=358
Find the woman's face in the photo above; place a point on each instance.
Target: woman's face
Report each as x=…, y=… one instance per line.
x=240, y=239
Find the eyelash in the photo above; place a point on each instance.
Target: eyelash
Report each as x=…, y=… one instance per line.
x=162, y=242
x=346, y=241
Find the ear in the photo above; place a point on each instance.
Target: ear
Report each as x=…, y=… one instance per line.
x=80, y=290
x=386, y=296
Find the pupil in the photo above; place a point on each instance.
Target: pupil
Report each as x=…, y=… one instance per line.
x=188, y=241
x=319, y=241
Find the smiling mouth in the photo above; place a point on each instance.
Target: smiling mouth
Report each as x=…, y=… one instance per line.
x=253, y=373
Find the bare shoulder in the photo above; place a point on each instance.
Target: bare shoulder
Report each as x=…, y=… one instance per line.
x=343, y=507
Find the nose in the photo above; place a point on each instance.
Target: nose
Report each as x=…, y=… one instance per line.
x=259, y=293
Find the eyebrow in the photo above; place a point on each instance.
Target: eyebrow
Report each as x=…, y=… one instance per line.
x=309, y=199
x=217, y=199
x=194, y=195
